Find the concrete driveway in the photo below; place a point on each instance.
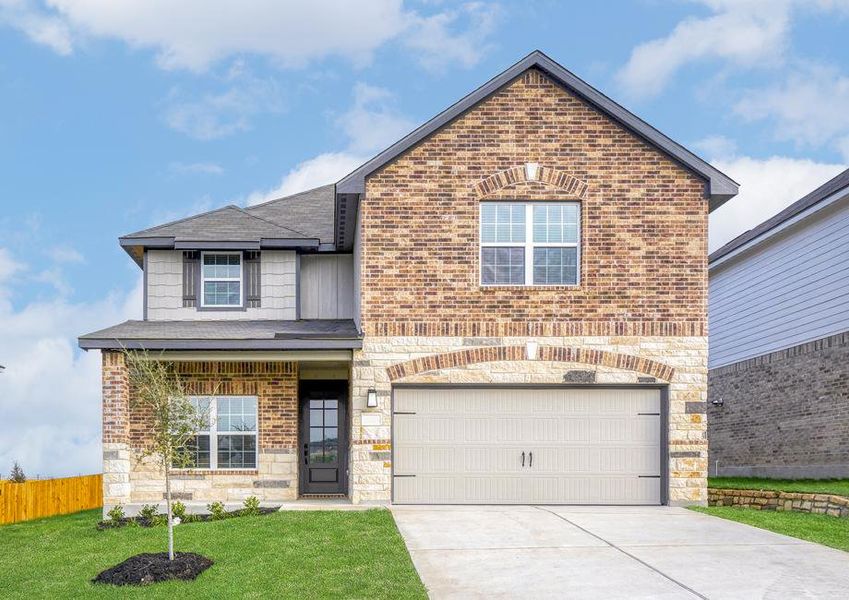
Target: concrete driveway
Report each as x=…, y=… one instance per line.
x=610, y=552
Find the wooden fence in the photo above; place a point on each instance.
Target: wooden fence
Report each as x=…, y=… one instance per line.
x=47, y=497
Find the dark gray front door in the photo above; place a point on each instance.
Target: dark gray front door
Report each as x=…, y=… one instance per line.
x=324, y=443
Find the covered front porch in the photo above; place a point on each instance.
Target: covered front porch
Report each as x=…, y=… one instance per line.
x=279, y=419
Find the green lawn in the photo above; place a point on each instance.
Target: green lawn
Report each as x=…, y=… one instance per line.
x=822, y=529
x=838, y=487
x=328, y=554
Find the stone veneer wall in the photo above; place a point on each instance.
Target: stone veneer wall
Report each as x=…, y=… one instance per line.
x=613, y=359
x=784, y=414
x=827, y=504
x=128, y=480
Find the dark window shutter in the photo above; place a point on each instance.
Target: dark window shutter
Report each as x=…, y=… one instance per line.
x=253, y=289
x=191, y=278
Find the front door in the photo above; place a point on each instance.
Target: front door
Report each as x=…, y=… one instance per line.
x=324, y=443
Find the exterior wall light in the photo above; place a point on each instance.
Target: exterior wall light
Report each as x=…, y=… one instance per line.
x=371, y=398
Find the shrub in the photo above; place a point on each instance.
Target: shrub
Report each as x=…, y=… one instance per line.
x=217, y=511
x=17, y=475
x=149, y=512
x=251, y=506
x=116, y=514
x=178, y=510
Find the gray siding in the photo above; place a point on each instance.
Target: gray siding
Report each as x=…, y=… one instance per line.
x=792, y=289
x=165, y=288
x=327, y=286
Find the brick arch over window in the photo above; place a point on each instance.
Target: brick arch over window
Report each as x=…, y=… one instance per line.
x=531, y=172
x=571, y=354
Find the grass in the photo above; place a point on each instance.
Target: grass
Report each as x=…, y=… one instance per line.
x=838, y=487
x=822, y=529
x=303, y=554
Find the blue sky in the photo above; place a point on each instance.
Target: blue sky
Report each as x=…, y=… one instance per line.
x=118, y=116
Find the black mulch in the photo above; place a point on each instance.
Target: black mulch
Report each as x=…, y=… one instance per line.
x=144, y=569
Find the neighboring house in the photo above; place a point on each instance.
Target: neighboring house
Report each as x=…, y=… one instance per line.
x=779, y=343
x=508, y=305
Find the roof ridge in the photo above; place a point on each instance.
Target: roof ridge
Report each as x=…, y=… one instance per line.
x=278, y=225
x=318, y=187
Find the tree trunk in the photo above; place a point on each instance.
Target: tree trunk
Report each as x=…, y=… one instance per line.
x=168, y=511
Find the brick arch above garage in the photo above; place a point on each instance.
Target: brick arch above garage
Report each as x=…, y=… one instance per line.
x=566, y=354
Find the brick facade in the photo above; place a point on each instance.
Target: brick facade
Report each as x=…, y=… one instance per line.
x=130, y=480
x=639, y=310
x=643, y=217
x=784, y=414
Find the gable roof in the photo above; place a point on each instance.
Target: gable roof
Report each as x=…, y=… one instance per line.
x=720, y=187
x=825, y=191
x=310, y=211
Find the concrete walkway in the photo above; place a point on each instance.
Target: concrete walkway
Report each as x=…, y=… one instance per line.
x=611, y=552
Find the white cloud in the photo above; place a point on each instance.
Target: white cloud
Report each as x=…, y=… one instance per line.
x=50, y=390
x=202, y=168
x=741, y=32
x=195, y=34
x=371, y=124
x=321, y=170
x=220, y=114
x=8, y=267
x=439, y=45
x=65, y=254
x=766, y=187
x=808, y=107
x=48, y=30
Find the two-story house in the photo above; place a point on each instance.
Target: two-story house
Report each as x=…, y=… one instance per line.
x=508, y=305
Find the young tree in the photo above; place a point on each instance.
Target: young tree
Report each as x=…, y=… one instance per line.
x=17, y=474
x=159, y=393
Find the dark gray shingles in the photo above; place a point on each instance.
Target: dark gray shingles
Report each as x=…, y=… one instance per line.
x=229, y=330
x=818, y=195
x=230, y=223
x=312, y=212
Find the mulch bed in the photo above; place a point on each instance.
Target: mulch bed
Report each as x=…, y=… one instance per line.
x=144, y=569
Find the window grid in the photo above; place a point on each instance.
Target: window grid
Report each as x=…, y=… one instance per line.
x=562, y=220
x=230, y=439
x=221, y=279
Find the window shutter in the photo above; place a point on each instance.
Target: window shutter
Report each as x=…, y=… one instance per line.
x=191, y=278
x=253, y=284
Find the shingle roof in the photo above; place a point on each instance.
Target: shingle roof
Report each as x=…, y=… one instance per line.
x=225, y=335
x=827, y=189
x=311, y=212
x=230, y=223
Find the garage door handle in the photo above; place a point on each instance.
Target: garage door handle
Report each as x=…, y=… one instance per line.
x=523, y=459
x=531, y=464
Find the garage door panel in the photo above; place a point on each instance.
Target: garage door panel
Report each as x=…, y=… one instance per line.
x=590, y=445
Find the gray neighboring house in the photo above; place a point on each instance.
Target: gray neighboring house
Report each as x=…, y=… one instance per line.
x=778, y=382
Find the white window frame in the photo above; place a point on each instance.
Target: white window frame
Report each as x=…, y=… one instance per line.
x=241, y=280
x=213, y=433
x=529, y=244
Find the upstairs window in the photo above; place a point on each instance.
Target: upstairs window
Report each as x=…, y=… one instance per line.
x=221, y=279
x=529, y=243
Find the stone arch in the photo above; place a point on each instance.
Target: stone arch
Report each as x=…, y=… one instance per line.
x=531, y=172
x=572, y=354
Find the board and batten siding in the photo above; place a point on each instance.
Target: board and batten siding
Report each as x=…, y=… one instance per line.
x=165, y=289
x=327, y=286
x=792, y=289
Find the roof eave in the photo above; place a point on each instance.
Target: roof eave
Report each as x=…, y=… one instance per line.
x=245, y=344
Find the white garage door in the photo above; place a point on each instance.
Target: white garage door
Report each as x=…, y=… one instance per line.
x=526, y=446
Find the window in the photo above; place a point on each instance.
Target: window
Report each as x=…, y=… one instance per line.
x=221, y=279
x=229, y=440
x=529, y=243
